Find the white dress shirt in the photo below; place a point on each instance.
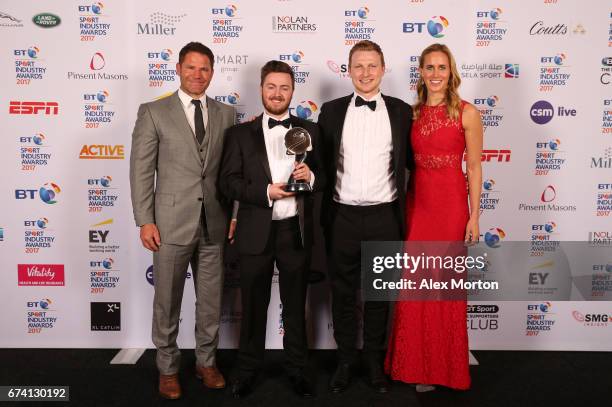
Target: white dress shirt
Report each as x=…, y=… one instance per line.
x=281, y=166
x=189, y=108
x=365, y=163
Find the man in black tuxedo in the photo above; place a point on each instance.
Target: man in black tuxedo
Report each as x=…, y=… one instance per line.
x=365, y=148
x=272, y=226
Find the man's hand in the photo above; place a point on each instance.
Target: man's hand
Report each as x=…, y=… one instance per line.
x=149, y=236
x=232, y=230
x=301, y=172
x=277, y=192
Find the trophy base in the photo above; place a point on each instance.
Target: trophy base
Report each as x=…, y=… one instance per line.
x=298, y=187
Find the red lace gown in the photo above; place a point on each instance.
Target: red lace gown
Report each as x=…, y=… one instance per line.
x=429, y=341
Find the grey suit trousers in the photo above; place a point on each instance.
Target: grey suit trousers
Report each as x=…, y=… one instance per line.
x=170, y=271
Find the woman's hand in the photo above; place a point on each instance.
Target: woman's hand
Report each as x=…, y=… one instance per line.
x=472, y=233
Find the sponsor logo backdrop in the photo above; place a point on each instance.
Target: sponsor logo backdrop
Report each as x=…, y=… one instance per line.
x=74, y=74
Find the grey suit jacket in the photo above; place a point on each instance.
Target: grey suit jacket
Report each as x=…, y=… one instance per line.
x=169, y=178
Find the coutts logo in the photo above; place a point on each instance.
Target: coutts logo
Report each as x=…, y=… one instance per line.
x=539, y=28
x=40, y=274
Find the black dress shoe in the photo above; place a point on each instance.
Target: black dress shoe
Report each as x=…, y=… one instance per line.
x=341, y=378
x=302, y=386
x=242, y=387
x=377, y=377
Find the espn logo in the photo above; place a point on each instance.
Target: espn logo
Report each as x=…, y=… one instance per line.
x=48, y=108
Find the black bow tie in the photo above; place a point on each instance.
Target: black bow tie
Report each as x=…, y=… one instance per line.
x=359, y=101
x=273, y=123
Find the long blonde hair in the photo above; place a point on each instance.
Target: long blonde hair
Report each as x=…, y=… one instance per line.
x=452, y=99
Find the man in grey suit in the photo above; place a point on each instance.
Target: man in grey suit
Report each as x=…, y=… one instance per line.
x=177, y=144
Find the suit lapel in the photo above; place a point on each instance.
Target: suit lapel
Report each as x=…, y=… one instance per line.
x=177, y=115
x=341, y=115
x=260, y=145
x=395, y=120
x=211, y=132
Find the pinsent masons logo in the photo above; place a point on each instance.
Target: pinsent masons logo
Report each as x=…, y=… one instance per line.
x=40, y=274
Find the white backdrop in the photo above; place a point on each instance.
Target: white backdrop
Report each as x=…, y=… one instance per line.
x=86, y=76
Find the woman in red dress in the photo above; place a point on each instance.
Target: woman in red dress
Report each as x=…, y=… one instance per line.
x=429, y=342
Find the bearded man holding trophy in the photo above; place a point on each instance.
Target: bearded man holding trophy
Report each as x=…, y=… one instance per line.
x=271, y=166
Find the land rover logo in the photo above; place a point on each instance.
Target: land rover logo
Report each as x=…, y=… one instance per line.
x=46, y=20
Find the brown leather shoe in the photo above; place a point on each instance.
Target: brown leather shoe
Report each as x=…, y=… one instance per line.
x=211, y=377
x=169, y=386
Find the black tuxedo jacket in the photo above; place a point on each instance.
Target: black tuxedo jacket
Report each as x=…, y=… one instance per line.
x=245, y=174
x=331, y=123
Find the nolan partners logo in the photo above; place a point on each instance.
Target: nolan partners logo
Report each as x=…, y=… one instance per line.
x=46, y=20
x=160, y=24
x=293, y=24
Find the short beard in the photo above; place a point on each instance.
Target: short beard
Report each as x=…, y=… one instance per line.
x=277, y=112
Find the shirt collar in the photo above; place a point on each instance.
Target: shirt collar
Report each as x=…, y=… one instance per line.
x=186, y=99
x=266, y=116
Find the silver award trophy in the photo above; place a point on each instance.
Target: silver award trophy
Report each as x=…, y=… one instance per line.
x=297, y=142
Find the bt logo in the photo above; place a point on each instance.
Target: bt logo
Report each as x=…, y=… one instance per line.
x=37, y=139
x=47, y=193
x=31, y=52
x=305, y=109
x=557, y=59
x=230, y=10
x=233, y=98
x=40, y=223
x=494, y=236
x=435, y=26
x=296, y=57
x=165, y=54
x=361, y=13
x=100, y=97
x=494, y=14
x=104, y=181
x=548, y=227
x=95, y=8
x=44, y=303
x=491, y=101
